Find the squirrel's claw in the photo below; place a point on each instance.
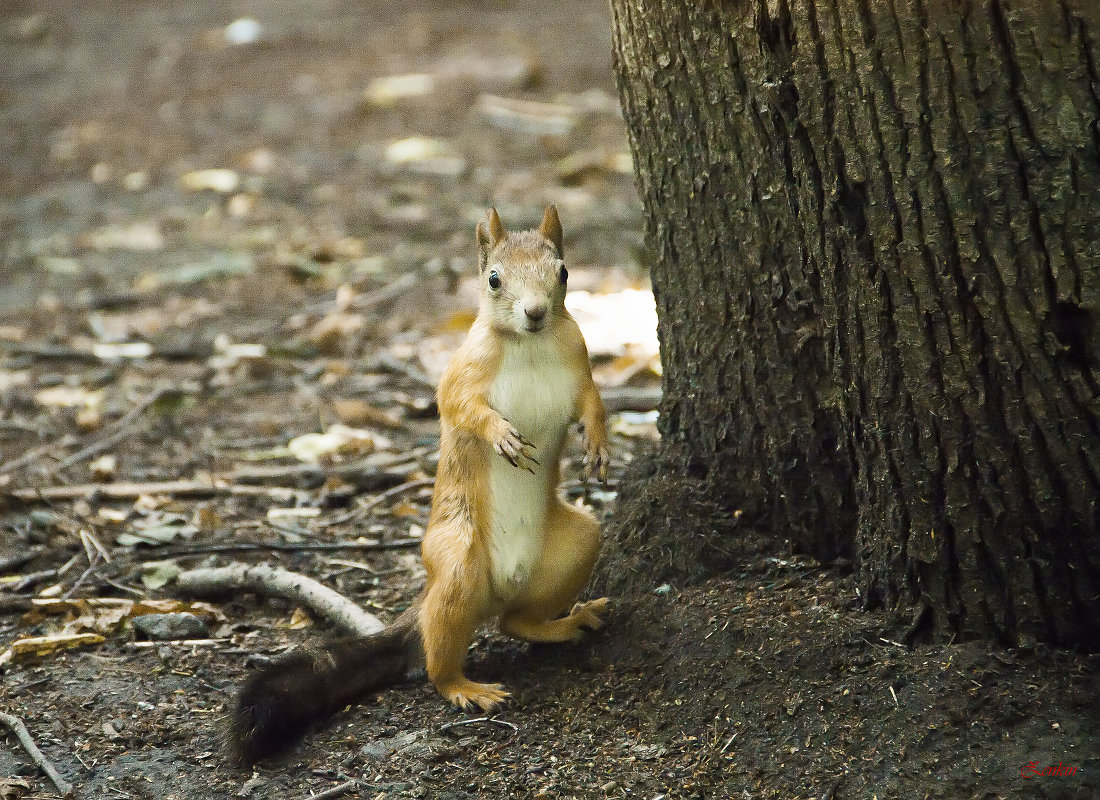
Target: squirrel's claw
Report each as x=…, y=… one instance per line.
x=516, y=450
x=596, y=460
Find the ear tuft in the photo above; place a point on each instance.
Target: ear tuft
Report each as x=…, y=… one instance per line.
x=551, y=227
x=496, y=229
x=490, y=233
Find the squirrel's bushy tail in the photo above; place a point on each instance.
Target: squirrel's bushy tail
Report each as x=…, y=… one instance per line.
x=278, y=704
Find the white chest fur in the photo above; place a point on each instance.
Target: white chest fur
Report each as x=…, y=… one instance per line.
x=537, y=392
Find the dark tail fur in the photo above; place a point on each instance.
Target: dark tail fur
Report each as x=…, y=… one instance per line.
x=279, y=703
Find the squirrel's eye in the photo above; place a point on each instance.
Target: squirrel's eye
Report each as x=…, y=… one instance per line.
x=494, y=280
x=563, y=275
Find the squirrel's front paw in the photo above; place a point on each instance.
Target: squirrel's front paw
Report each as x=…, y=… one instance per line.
x=515, y=448
x=596, y=459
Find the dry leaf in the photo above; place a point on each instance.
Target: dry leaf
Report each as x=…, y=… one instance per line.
x=359, y=412
x=105, y=467
x=405, y=509
x=636, y=425
x=276, y=514
x=13, y=788
x=89, y=418
x=140, y=236
x=387, y=91
x=527, y=116
x=337, y=440
x=635, y=366
x=69, y=397
x=224, y=181
x=334, y=330
x=104, y=615
x=157, y=574
x=299, y=619
x=113, y=515
x=113, y=351
x=9, y=380
x=427, y=156
x=206, y=518
x=41, y=646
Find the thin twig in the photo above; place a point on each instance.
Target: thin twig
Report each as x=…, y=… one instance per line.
x=367, y=300
x=33, y=455
x=377, y=466
x=93, y=565
x=339, y=790
x=258, y=547
x=391, y=364
x=131, y=491
x=19, y=559
x=120, y=426
x=32, y=578
x=93, y=448
x=16, y=726
x=142, y=645
x=393, y=289
x=119, y=431
x=376, y=501
x=477, y=720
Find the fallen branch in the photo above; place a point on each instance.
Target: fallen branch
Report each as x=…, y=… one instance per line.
x=339, y=790
x=282, y=547
x=143, y=645
x=276, y=581
x=362, y=478
x=132, y=491
x=627, y=398
x=16, y=726
x=377, y=470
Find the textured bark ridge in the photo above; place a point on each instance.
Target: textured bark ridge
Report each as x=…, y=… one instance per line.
x=877, y=232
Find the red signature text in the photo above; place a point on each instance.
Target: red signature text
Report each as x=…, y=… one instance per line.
x=1032, y=770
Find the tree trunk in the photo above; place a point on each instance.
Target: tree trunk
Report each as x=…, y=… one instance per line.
x=877, y=236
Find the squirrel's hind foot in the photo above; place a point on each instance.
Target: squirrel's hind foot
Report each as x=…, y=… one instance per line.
x=466, y=693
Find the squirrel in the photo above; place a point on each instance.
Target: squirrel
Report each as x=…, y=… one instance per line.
x=500, y=544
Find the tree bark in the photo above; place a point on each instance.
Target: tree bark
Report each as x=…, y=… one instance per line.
x=877, y=235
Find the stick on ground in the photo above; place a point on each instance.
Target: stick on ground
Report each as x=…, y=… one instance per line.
x=336, y=791
x=131, y=491
x=267, y=579
x=16, y=726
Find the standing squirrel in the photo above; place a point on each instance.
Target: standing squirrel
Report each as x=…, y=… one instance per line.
x=500, y=543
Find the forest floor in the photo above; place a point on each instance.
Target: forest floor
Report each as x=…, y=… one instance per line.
x=162, y=323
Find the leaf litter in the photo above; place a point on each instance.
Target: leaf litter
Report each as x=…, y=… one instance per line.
x=240, y=254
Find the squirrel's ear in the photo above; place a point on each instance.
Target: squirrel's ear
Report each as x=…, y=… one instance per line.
x=490, y=233
x=551, y=227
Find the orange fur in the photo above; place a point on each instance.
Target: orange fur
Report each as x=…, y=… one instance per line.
x=463, y=589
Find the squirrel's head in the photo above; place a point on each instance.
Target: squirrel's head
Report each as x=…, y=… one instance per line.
x=522, y=274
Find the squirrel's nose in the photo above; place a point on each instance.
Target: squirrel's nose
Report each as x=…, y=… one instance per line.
x=535, y=313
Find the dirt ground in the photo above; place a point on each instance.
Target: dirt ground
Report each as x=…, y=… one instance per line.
x=348, y=260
